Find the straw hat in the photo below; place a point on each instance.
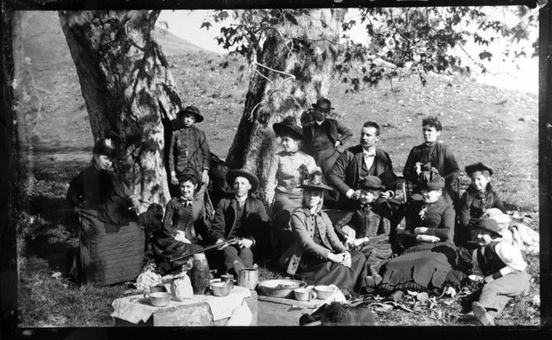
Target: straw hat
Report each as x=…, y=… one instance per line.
x=510, y=255
x=314, y=181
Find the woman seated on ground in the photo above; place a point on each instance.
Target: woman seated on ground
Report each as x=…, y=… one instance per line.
x=184, y=230
x=432, y=154
x=430, y=254
x=285, y=173
x=366, y=229
x=317, y=256
x=478, y=198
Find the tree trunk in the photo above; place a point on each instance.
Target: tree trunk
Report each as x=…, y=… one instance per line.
x=128, y=90
x=292, y=70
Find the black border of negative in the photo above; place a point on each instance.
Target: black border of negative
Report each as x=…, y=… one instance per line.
x=8, y=255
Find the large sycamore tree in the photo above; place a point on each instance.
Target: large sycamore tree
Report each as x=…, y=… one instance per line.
x=128, y=90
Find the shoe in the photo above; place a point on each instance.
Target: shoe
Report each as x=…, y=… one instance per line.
x=482, y=315
x=238, y=266
x=370, y=282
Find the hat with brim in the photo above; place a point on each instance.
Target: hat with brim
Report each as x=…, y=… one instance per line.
x=436, y=182
x=371, y=183
x=510, y=255
x=186, y=174
x=323, y=103
x=314, y=182
x=105, y=146
x=251, y=177
x=193, y=110
x=470, y=169
x=497, y=215
x=489, y=225
x=288, y=127
x=389, y=180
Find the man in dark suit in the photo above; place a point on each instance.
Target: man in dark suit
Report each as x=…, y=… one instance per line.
x=241, y=216
x=357, y=162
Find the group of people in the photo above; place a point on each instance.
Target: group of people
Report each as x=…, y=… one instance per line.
x=335, y=217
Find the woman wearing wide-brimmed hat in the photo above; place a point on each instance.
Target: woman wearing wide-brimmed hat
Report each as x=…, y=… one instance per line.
x=318, y=256
x=478, y=198
x=285, y=174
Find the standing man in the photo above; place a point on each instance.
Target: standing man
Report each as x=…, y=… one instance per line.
x=323, y=135
x=358, y=162
x=241, y=216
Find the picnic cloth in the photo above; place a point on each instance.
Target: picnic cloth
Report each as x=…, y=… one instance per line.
x=136, y=308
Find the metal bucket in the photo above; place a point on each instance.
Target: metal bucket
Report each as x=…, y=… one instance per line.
x=248, y=278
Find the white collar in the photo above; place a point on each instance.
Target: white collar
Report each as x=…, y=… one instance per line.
x=370, y=152
x=319, y=123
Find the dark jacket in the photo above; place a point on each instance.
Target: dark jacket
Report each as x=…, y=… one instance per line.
x=472, y=205
x=440, y=158
x=254, y=223
x=439, y=217
x=188, y=148
x=345, y=173
x=336, y=132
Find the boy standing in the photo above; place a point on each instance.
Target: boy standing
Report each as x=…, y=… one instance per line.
x=189, y=148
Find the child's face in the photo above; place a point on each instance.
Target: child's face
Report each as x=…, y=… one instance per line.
x=103, y=162
x=480, y=181
x=189, y=119
x=312, y=197
x=289, y=144
x=187, y=189
x=368, y=196
x=430, y=133
x=431, y=196
x=482, y=237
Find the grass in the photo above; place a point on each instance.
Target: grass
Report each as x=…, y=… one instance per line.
x=481, y=123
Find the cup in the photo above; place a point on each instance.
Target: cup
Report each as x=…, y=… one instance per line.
x=324, y=292
x=304, y=294
x=158, y=288
x=248, y=278
x=158, y=299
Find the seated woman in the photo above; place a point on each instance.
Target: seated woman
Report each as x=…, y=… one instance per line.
x=283, y=178
x=430, y=254
x=366, y=228
x=107, y=209
x=435, y=154
x=317, y=256
x=184, y=230
x=478, y=198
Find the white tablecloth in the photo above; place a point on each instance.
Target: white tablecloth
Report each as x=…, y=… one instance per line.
x=136, y=308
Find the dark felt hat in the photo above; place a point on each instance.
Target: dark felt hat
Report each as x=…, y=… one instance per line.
x=314, y=181
x=488, y=224
x=389, y=179
x=288, y=127
x=470, y=169
x=186, y=174
x=323, y=103
x=105, y=146
x=432, y=181
x=371, y=183
x=193, y=110
x=253, y=179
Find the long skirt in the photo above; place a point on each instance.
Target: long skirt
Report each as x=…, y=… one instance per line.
x=376, y=255
x=167, y=253
x=422, y=270
x=316, y=271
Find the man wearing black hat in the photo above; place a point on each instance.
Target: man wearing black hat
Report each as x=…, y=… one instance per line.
x=322, y=136
x=357, y=162
x=189, y=148
x=244, y=217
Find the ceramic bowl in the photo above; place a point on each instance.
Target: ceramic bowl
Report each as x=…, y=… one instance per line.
x=280, y=288
x=304, y=294
x=221, y=288
x=158, y=299
x=324, y=292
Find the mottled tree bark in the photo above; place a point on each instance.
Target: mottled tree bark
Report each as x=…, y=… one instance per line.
x=292, y=70
x=128, y=90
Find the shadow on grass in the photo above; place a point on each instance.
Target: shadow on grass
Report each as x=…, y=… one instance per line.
x=54, y=235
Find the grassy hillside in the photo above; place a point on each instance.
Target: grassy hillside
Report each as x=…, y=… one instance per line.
x=481, y=123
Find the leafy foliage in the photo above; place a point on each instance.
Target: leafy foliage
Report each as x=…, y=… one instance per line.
x=401, y=40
